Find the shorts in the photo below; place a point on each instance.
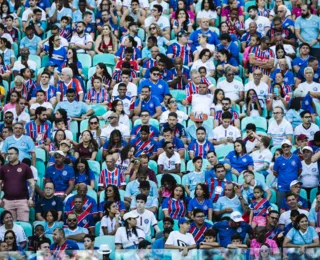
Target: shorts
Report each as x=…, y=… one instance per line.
x=260, y=221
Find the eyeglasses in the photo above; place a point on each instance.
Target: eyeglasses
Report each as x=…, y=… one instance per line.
x=277, y=113
x=153, y=28
x=72, y=219
x=144, y=115
x=173, y=101
x=9, y=238
x=170, y=148
x=155, y=74
x=285, y=146
x=93, y=123
x=8, y=117
x=112, y=117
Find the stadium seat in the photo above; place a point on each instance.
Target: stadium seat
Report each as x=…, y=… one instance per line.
x=109, y=240
x=273, y=198
x=176, y=177
x=274, y=207
x=160, y=213
x=84, y=125
x=26, y=227
x=15, y=49
x=183, y=166
x=94, y=166
x=142, y=34
x=212, y=81
x=86, y=62
x=223, y=150
x=303, y=194
x=260, y=122
x=74, y=128
x=44, y=61
x=41, y=154
x=97, y=228
x=179, y=95
x=153, y=166
x=99, y=110
x=105, y=58
x=5, y=85
x=313, y=194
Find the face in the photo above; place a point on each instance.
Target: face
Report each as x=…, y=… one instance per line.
x=172, y=121
x=257, y=193
x=205, y=24
x=228, y=191
x=273, y=219
x=122, y=91
x=140, y=204
x=58, y=159
x=125, y=79
x=286, y=148
x=48, y=189
x=71, y=97
x=43, y=116
x=144, y=136
x=226, y=123
x=248, y=177
x=265, y=45
x=132, y=222
x=93, y=123
x=110, y=192
x=238, y=147
x=144, y=162
x=252, y=14
x=203, y=89
x=224, y=27
x=5, y=133
x=110, y=162
x=303, y=223
x=277, y=114
x=81, y=167
x=9, y=238
x=185, y=226
x=169, y=149
x=88, y=243
x=154, y=76
x=291, y=201
x=181, y=15
x=78, y=203
x=304, y=50
x=12, y=155
x=30, y=34
x=309, y=75
x=80, y=28
x=4, y=247
x=86, y=137
x=49, y=217
x=257, y=75
x=212, y=158
x=264, y=251
x=296, y=188
x=178, y=192
x=56, y=236
x=199, y=218
x=22, y=104
x=230, y=76
x=201, y=135
x=8, y=220
x=8, y=118
x=304, y=11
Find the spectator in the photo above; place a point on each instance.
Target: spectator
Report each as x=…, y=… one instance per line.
x=263, y=23
x=262, y=157
x=198, y=227
x=159, y=19
x=175, y=206
x=159, y=243
x=110, y=222
x=61, y=243
x=201, y=201
x=200, y=146
x=148, y=101
x=169, y=161
x=30, y=41
x=111, y=175
x=204, y=29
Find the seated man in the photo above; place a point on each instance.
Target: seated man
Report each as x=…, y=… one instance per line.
x=169, y=161
x=74, y=232
x=200, y=146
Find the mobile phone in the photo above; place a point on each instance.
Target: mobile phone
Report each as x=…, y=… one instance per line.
x=276, y=92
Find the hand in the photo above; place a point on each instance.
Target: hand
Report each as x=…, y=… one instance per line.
x=136, y=165
x=30, y=16
x=84, y=117
x=185, y=251
x=230, y=139
x=245, y=186
x=30, y=203
x=228, y=210
x=1, y=203
x=302, y=249
x=141, y=97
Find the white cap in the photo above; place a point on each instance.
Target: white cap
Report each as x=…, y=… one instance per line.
x=104, y=249
x=286, y=141
x=236, y=216
x=307, y=148
x=299, y=93
x=130, y=214
x=59, y=152
x=295, y=182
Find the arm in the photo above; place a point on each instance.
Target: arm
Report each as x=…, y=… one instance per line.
x=77, y=238
x=33, y=158
x=70, y=188
x=158, y=112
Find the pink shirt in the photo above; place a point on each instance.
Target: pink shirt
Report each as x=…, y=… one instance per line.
x=8, y=106
x=255, y=247
x=190, y=13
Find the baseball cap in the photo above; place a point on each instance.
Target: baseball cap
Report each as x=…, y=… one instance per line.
x=181, y=33
x=50, y=63
x=130, y=214
x=236, y=216
x=287, y=142
x=299, y=93
x=65, y=142
x=307, y=148
x=183, y=220
x=59, y=152
x=302, y=137
x=198, y=117
x=295, y=182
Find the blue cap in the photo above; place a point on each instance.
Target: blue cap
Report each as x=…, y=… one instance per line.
x=51, y=63
x=183, y=220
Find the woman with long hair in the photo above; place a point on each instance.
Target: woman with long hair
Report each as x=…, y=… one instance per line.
x=5, y=11
x=106, y=42
x=252, y=107
x=168, y=183
x=182, y=22
x=11, y=239
x=225, y=59
x=57, y=54
x=111, y=220
x=277, y=98
x=83, y=173
x=102, y=72
x=124, y=159
x=239, y=159
x=94, y=128
x=73, y=58
x=155, y=30
x=59, y=136
x=281, y=54
x=175, y=206
x=115, y=143
x=274, y=11
x=173, y=107
x=209, y=11
x=88, y=148
x=8, y=56
x=117, y=107
x=5, y=71
x=182, y=5
x=13, y=96
x=218, y=96
x=205, y=61
x=202, y=201
x=77, y=78
x=293, y=114
x=62, y=113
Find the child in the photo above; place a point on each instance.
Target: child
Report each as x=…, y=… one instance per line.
x=111, y=220
x=60, y=124
x=26, y=73
x=236, y=242
x=65, y=29
x=97, y=94
x=51, y=223
x=195, y=177
x=235, y=26
x=168, y=182
x=259, y=208
x=210, y=240
x=152, y=202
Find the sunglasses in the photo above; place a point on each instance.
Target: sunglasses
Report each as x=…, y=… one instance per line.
x=170, y=148
x=8, y=117
x=93, y=123
x=111, y=117
x=155, y=74
x=153, y=28
x=72, y=219
x=9, y=238
x=173, y=101
x=285, y=146
x=225, y=104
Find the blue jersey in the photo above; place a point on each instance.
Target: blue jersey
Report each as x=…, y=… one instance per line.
x=216, y=188
x=24, y=144
x=302, y=63
x=226, y=231
x=178, y=132
x=239, y=163
x=135, y=56
x=39, y=133
x=50, y=92
x=200, y=149
x=178, y=145
x=213, y=37
x=287, y=169
x=149, y=63
x=166, y=75
x=60, y=177
x=95, y=97
x=233, y=48
x=89, y=205
x=205, y=205
x=288, y=77
x=198, y=233
x=182, y=51
x=260, y=209
x=246, y=37
x=59, y=55
x=158, y=89
x=135, y=132
x=148, y=147
x=303, y=204
x=176, y=208
x=84, y=178
x=149, y=105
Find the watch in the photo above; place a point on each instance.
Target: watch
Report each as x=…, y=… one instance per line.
x=240, y=198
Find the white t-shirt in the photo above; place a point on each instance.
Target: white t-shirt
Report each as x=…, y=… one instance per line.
x=313, y=87
x=231, y=89
x=178, y=239
x=181, y=116
x=47, y=105
x=19, y=232
x=146, y=220
x=308, y=132
x=169, y=163
x=29, y=11
x=108, y=223
x=285, y=216
x=17, y=66
x=131, y=90
x=288, y=12
x=202, y=103
x=24, y=116
x=63, y=42
x=123, y=119
x=163, y=22
x=288, y=59
x=207, y=14
x=261, y=90
x=220, y=132
x=261, y=157
x=210, y=47
x=262, y=23
x=278, y=133
x=309, y=175
x=209, y=65
x=125, y=131
x=133, y=241
x=250, y=144
x=84, y=40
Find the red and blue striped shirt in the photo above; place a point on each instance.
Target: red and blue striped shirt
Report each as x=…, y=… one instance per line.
x=114, y=177
x=176, y=208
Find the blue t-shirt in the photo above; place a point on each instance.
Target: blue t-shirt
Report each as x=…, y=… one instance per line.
x=193, y=178
x=158, y=89
x=24, y=144
x=68, y=245
x=309, y=28
x=149, y=105
x=83, y=178
x=298, y=238
x=89, y=205
x=204, y=205
x=31, y=44
x=239, y=163
x=301, y=201
x=60, y=177
x=233, y=48
x=213, y=37
x=211, y=173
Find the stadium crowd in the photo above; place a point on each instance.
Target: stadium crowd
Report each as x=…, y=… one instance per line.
x=179, y=124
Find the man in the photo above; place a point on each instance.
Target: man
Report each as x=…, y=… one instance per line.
x=262, y=156
x=133, y=32
x=82, y=41
x=213, y=37
x=44, y=248
x=49, y=201
x=84, y=218
x=145, y=120
x=263, y=23
x=150, y=61
x=213, y=163
x=145, y=145
x=30, y=41
x=227, y=44
x=23, y=62
x=111, y=175
x=291, y=200
x=232, y=88
x=310, y=171
x=159, y=19
x=193, y=86
x=12, y=31
x=77, y=110
x=200, y=146
x=61, y=243
x=307, y=29
x=138, y=11
x=198, y=227
x=231, y=202
x=169, y=161
x=22, y=142
x=19, y=113
x=168, y=223
x=225, y=133
x=302, y=141
x=131, y=87
x=158, y=87
x=287, y=167
x=302, y=61
x=151, y=204
x=181, y=240
x=227, y=106
x=279, y=129
x=180, y=74
x=246, y=37
x=14, y=178
x=39, y=129
x=235, y=225
x=128, y=102
x=177, y=128
x=142, y=165
x=40, y=102
x=262, y=57
x=164, y=73
x=314, y=211
x=192, y=129
x=178, y=145
x=55, y=14
x=61, y=174
x=306, y=80
x=295, y=188
x=286, y=72
x=160, y=242
x=149, y=102
x=306, y=127
x=29, y=12
x=34, y=20
x=181, y=49
x=6, y=132
x=74, y=232
x=259, y=86
x=286, y=31
x=252, y=139
x=7, y=121
x=273, y=232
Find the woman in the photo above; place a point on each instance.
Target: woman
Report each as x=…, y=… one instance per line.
x=208, y=10
x=65, y=147
x=205, y=61
x=117, y=107
x=102, y=72
x=262, y=10
x=281, y=54
x=57, y=53
x=77, y=78
x=182, y=5
x=156, y=31
x=252, y=107
x=124, y=159
x=111, y=220
x=301, y=236
x=97, y=94
x=59, y=136
x=296, y=10
x=5, y=11
x=73, y=58
x=128, y=42
x=202, y=201
x=225, y=59
x=106, y=42
x=265, y=252
x=94, y=128
x=5, y=71
x=29, y=83
x=112, y=194
x=182, y=22
x=11, y=240
x=62, y=113
x=239, y=159
x=88, y=148
x=129, y=236
x=7, y=53
x=293, y=114
x=7, y=224
x=13, y=96
x=83, y=173
x=277, y=98
x=173, y=107
x=175, y=206
x=225, y=28
x=115, y=143
x=203, y=44
x=168, y=183
x=218, y=96
x=88, y=243
x=226, y=11
x=274, y=11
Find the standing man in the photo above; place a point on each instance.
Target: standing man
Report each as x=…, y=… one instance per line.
x=14, y=177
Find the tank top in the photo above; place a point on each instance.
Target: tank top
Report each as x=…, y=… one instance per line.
x=103, y=47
